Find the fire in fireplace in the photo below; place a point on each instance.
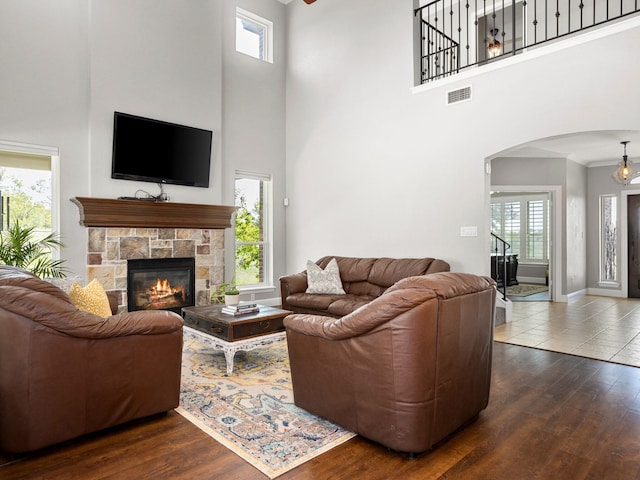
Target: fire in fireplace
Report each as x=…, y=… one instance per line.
x=160, y=284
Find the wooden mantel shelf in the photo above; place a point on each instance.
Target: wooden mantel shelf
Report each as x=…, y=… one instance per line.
x=105, y=212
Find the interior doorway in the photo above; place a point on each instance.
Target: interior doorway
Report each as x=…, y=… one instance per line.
x=537, y=267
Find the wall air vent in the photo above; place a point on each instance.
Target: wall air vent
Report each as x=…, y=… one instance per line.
x=460, y=95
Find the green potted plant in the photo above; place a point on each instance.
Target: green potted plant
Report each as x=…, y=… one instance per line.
x=227, y=293
x=19, y=248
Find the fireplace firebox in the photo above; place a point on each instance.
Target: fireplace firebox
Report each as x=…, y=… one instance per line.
x=160, y=284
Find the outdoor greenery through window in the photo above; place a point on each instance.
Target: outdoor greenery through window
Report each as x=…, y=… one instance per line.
x=523, y=222
x=253, y=229
x=608, y=238
x=27, y=239
x=25, y=192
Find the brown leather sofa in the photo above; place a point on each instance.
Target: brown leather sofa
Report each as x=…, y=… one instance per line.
x=64, y=372
x=363, y=280
x=406, y=370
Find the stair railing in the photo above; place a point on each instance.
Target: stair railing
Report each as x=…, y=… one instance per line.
x=458, y=35
x=499, y=249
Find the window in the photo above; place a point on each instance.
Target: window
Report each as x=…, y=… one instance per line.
x=524, y=224
x=253, y=252
x=608, y=238
x=536, y=231
x=511, y=225
x=26, y=191
x=254, y=35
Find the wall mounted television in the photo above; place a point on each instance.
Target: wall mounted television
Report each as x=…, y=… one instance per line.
x=150, y=150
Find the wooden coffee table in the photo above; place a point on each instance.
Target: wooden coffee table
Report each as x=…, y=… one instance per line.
x=231, y=333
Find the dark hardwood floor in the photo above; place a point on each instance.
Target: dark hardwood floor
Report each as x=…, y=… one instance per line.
x=551, y=416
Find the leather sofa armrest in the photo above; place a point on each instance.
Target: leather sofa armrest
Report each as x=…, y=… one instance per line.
x=290, y=284
x=438, y=266
x=142, y=322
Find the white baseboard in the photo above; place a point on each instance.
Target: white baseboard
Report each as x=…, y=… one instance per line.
x=533, y=280
x=575, y=295
x=605, y=292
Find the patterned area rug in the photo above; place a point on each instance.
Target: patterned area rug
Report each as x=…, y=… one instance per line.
x=252, y=411
x=524, y=290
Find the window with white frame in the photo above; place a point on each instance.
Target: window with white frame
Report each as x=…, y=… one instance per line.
x=253, y=231
x=608, y=238
x=523, y=222
x=254, y=35
x=26, y=191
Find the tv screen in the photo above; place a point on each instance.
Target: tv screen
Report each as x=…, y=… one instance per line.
x=154, y=151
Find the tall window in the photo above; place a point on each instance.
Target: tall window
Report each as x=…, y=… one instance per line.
x=536, y=230
x=511, y=225
x=608, y=238
x=253, y=252
x=524, y=224
x=254, y=35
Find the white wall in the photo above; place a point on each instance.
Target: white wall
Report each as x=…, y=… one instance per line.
x=253, y=106
x=160, y=60
x=45, y=93
x=67, y=65
x=600, y=183
x=576, y=222
x=373, y=169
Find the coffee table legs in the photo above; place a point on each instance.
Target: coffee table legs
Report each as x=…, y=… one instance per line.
x=228, y=356
x=230, y=348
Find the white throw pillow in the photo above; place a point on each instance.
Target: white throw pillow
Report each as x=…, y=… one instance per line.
x=325, y=281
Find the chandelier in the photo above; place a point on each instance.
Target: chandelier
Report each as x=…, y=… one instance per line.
x=625, y=172
x=495, y=47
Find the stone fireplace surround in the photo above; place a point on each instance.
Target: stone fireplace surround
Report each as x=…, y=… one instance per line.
x=110, y=246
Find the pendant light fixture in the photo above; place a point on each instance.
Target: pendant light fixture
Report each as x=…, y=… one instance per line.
x=625, y=172
x=495, y=47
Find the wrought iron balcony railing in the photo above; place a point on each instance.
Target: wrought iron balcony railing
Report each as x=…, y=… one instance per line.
x=456, y=35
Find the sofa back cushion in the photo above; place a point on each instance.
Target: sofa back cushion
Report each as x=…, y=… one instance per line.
x=372, y=276
x=387, y=271
x=351, y=269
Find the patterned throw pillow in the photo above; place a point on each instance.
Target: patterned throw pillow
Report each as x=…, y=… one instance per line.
x=324, y=281
x=91, y=299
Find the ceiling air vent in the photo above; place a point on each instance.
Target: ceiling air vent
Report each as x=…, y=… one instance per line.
x=460, y=95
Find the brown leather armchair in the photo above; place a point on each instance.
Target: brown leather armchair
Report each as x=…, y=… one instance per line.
x=64, y=372
x=407, y=369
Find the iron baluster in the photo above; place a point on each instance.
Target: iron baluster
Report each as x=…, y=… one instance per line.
x=440, y=46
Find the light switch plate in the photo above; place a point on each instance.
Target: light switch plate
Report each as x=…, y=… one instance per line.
x=468, y=231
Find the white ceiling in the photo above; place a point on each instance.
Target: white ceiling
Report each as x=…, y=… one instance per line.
x=587, y=148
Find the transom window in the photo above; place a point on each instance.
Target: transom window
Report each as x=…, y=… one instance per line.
x=254, y=35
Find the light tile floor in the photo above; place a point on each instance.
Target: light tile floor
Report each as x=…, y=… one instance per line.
x=603, y=328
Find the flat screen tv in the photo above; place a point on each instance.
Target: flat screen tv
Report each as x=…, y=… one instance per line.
x=154, y=151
